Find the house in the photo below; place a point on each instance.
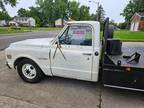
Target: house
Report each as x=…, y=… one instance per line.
x=2, y=23
x=60, y=23
x=13, y=23
x=137, y=22
x=24, y=21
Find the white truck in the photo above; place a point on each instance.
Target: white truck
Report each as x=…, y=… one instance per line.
x=79, y=52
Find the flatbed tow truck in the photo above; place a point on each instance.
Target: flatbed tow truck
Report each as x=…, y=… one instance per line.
x=78, y=52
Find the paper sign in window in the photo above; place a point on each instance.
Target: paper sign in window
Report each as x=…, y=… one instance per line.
x=78, y=34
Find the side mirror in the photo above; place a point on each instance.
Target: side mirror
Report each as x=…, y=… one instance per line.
x=58, y=42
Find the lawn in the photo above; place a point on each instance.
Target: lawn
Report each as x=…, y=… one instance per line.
x=126, y=35
x=7, y=30
x=47, y=28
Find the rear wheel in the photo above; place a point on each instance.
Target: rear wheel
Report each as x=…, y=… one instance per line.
x=29, y=71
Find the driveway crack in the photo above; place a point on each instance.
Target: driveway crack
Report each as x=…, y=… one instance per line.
x=100, y=96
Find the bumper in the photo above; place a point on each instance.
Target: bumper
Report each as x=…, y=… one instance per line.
x=8, y=65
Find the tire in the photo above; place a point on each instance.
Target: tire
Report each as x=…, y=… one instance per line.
x=29, y=71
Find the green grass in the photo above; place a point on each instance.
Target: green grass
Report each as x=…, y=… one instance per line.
x=9, y=30
x=126, y=35
x=47, y=28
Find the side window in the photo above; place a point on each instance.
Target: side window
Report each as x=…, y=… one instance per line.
x=77, y=35
x=64, y=38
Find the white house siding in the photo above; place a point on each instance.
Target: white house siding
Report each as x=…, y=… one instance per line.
x=134, y=26
x=25, y=21
x=12, y=23
x=31, y=22
x=58, y=22
x=2, y=23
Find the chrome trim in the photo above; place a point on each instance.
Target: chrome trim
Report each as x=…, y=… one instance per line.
x=8, y=65
x=133, y=89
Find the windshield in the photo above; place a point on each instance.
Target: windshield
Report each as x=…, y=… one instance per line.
x=59, y=34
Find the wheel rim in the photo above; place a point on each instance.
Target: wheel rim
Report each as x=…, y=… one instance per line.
x=29, y=71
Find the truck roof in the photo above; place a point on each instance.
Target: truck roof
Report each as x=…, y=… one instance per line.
x=84, y=22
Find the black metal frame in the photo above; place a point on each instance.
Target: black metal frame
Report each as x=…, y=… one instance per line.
x=117, y=75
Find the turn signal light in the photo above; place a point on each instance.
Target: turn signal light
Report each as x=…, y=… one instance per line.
x=128, y=69
x=9, y=56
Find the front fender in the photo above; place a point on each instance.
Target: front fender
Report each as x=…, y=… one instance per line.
x=44, y=67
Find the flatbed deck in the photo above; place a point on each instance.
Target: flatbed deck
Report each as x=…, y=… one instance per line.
x=128, y=51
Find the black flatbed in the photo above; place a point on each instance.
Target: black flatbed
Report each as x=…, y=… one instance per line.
x=121, y=76
x=128, y=51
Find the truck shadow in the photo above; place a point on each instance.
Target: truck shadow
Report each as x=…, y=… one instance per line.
x=71, y=82
x=93, y=86
x=117, y=98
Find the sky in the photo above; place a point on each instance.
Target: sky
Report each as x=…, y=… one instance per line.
x=112, y=8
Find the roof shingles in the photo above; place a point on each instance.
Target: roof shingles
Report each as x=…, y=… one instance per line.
x=141, y=14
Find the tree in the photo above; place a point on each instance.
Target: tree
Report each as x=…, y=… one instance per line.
x=93, y=17
x=84, y=13
x=122, y=25
x=64, y=9
x=132, y=7
x=23, y=13
x=100, y=14
x=5, y=2
x=53, y=9
x=4, y=16
x=46, y=7
x=38, y=16
x=74, y=11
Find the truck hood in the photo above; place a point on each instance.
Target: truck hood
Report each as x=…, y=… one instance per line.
x=41, y=42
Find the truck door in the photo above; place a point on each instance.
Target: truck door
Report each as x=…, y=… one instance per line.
x=73, y=58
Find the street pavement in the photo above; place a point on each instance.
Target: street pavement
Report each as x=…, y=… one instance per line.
x=56, y=92
x=6, y=39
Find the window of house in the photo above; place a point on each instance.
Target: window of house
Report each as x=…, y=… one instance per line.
x=77, y=35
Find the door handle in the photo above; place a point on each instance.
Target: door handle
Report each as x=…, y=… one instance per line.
x=89, y=54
